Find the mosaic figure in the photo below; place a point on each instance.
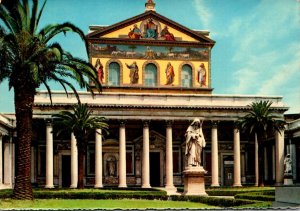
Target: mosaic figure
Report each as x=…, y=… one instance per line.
x=166, y=34
x=201, y=75
x=134, y=73
x=170, y=74
x=151, y=29
x=99, y=68
x=135, y=33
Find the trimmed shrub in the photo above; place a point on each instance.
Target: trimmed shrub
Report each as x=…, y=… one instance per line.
x=259, y=196
x=223, y=202
x=99, y=194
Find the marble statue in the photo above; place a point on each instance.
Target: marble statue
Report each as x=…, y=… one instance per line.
x=194, y=143
x=287, y=164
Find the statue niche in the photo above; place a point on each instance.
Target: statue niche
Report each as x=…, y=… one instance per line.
x=111, y=166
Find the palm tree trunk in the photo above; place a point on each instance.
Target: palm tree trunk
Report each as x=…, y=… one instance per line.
x=24, y=99
x=80, y=168
x=261, y=164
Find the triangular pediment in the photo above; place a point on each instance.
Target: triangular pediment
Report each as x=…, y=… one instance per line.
x=155, y=138
x=149, y=26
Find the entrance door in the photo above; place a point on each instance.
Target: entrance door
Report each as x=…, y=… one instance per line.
x=155, y=169
x=228, y=170
x=228, y=175
x=66, y=170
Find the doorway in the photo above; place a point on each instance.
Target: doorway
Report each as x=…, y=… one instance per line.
x=155, y=169
x=66, y=170
x=228, y=170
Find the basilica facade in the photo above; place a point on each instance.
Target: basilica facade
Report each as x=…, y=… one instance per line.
x=156, y=78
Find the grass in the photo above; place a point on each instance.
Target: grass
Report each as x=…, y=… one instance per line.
x=135, y=198
x=100, y=204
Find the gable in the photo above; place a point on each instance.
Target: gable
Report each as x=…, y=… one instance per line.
x=150, y=26
x=160, y=32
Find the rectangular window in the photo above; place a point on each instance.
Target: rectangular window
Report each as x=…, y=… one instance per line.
x=42, y=161
x=129, y=160
x=176, y=161
x=207, y=160
x=91, y=160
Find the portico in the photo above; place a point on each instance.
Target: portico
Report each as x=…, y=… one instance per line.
x=159, y=125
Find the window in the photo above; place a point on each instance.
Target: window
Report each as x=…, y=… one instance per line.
x=150, y=75
x=186, y=76
x=41, y=161
x=91, y=160
x=129, y=160
x=114, y=74
x=176, y=160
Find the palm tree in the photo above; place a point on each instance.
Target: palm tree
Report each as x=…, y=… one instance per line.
x=260, y=121
x=28, y=60
x=80, y=122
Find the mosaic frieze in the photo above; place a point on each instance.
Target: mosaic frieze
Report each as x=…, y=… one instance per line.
x=150, y=52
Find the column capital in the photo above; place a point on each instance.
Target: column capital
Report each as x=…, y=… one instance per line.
x=146, y=123
x=214, y=123
x=169, y=123
x=49, y=122
x=122, y=122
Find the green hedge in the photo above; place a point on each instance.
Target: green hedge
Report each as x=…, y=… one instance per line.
x=92, y=194
x=259, y=196
x=235, y=191
x=222, y=202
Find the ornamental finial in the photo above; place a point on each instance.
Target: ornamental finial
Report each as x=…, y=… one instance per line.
x=150, y=5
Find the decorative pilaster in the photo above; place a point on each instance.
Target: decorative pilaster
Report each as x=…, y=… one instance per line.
x=74, y=162
x=122, y=156
x=279, y=145
x=169, y=159
x=146, y=157
x=237, y=158
x=49, y=155
x=214, y=156
x=98, y=159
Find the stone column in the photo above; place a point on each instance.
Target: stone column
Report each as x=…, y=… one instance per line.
x=74, y=162
x=214, y=156
x=122, y=156
x=146, y=157
x=98, y=159
x=7, y=163
x=279, y=159
x=169, y=158
x=256, y=160
x=1, y=162
x=49, y=155
x=237, y=158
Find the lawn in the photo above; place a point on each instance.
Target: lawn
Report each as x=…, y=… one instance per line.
x=100, y=204
x=137, y=198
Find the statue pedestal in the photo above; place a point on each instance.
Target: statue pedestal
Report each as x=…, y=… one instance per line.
x=288, y=179
x=194, y=181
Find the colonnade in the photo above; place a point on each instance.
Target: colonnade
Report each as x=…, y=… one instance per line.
x=122, y=158
x=145, y=182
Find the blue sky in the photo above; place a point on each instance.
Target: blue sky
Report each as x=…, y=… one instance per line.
x=257, y=49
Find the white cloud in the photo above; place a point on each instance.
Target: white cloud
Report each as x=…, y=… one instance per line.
x=203, y=12
x=267, y=52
